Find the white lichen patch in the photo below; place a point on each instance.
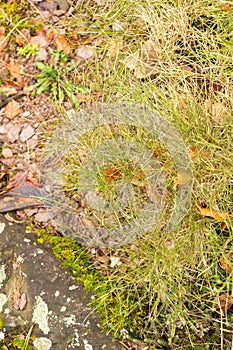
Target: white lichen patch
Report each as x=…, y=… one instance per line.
x=40, y=315
x=42, y=343
x=70, y=320
x=2, y=275
x=2, y=227
x=73, y=287
x=3, y=300
x=86, y=345
x=63, y=309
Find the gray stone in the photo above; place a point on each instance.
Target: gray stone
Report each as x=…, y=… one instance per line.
x=52, y=299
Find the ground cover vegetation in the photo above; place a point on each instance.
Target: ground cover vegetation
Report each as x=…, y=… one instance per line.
x=164, y=290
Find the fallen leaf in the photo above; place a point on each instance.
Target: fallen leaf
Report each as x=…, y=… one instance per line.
x=114, y=47
x=41, y=39
x=225, y=263
x=3, y=42
x=136, y=346
x=23, y=37
x=226, y=5
x=224, y=302
x=15, y=72
x=44, y=215
x=12, y=109
x=212, y=213
x=20, y=179
x=112, y=174
x=217, y=110
x=63, y=44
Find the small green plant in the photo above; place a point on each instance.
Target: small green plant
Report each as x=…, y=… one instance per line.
x=53, y=77
x=28, y=50
x=21, y=344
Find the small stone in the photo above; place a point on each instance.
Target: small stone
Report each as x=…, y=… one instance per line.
x=26, y=133
x=42, y=55
x=7, y=153
x=13, y=132
x=2, y=226
x=63, y=309
x=85, y=52
x=25, y=114
x=32, y=142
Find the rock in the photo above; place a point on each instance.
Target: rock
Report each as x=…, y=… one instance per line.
x=26, y=133
x=55, y=302
x=7, y=153
x=85, y=52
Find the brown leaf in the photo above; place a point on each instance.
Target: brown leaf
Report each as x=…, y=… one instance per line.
x=217, y=110
x=63, y=44
x=226, y=5
x=21, y=179
x=112, y=174
x=224, y=302
x=12, y=109
x=3, y=42
x=15, y=72
x=114, y=47
x=139, y=346
x=41, y=39
x=225, y=264
x=212, y=213
x=23, y=37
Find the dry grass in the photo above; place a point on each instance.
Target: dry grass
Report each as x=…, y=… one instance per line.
x=176, y=57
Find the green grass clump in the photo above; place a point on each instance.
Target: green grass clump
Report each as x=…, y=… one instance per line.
x=175, y=57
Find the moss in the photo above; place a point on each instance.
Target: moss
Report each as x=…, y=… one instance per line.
x=1, y=323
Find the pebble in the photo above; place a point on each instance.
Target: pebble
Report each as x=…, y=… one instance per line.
x=85, y=52
x=7, y=153
x=26, y=133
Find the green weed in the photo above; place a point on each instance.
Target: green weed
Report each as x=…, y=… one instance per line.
x=54, y=78
x=28, y=50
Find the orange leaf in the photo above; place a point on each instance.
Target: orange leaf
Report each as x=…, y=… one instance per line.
x=212, y=213
x=40, y=39
x=63, y=44
x=3, y=42
x=15, y=72
x=23, y=37
x=223, y=303
x=112, y=173
x=226, y=5
x=12, y=109
x=224, y=264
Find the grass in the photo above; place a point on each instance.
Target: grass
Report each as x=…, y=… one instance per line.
x=174, y=57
